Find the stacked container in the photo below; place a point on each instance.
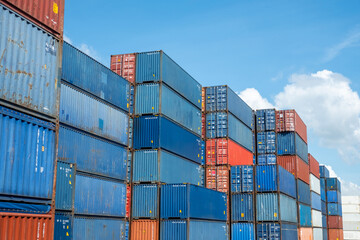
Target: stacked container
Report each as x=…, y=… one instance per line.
x=324, y=173
x=30, y=50
x=334, y=209
x=351, y=217
x=92, y=195
x=315, y=193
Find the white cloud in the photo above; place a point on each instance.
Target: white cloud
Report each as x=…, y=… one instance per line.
x=347, y=188
x=67, y=39
x=84, y=48
x=253, y=98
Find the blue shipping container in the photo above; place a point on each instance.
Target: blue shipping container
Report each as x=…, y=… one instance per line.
x=242, y=231
x=158, y=67
x=242, y=179
x=91, y=115
x=325, y=234
x=160, y=132
x=190, y=201
x=242, y=207
x=272, y=178
x=86, y=73
x=323, y=208
x=193, y=230
x=96, y=196
x=266, y=142
x=315, y=201
x=333, y=196
x=223, y=98
x=156, y=98
x=334, y=209
x=289, y=143
x=324, y=222
x=29, y=67
x=305, y=215
x=222, y=125
x=63, y=228
x=266, y=120
x=303, y=192
x=324, y=172
x=27, y=157
x=145, y=199
x=333, y=184
x=165, y=167
x=273, y=231
x=266, y=159
x=323, y=189
x=65, y=176
x=91, y=154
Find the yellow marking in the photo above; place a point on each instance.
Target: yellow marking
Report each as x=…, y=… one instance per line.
x=55, y=8
x=42, y=148
x=70, y=182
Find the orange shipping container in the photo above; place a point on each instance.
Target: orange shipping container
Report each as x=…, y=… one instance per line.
x=124, y=65
x=225, y=151
x=16, y=226
x=144, y=230
x=335, y=234
x=218, y=178
x=290, y=121
x=296, y=166
x=305, y=234
x=314, y=166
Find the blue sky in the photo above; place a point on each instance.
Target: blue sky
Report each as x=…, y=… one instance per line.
x=248, y=45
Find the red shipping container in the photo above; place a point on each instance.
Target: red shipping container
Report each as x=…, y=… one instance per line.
x=296, y=166
x=225, y=151
x=314, y=166
x=218, y=178
x=124, y=65
x=144, y=230
x=16, y=226
x=305, y=234
x=48, y=14
x=334, y=222
x=203, y=90
x=203, y=127
x=290, y=121
x=128, y=200
x=335, y=234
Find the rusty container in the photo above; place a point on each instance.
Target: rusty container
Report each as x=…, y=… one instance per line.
x=124, y=65
x=290, y=121
x=218, y=178
x=335, y=234
x=296, y=166
x=144, y=230
x=314, y=166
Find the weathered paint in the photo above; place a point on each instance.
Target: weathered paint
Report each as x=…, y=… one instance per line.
x=144, y=229
x=265, y=120
x=266, y=142
x=242, y=207
x=65, y=180
x=289, y=143
x=145, y=201
x=124, y=65
x=305, y=215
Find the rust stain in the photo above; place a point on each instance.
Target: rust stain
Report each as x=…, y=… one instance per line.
x=24, y=72
x=30, y=86
x=2, y=56
x=47, y=84
x=20, y=45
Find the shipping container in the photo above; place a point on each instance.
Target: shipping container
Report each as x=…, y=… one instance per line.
x=160, y=132
x=324, y=220
x=305, y=233
x=318, y=234
x=63, y=226
x=334, y=209
x=333, y=184
x=266, y=120
x=110, y=196
x=218, y=178
x=290, y=121
x=145, y=201
x=315, y=184
x=333, y=196
x=334, y=222
x=203, y=126
x=266, y=142
x=266, y=159
x=267, y=208
x=275, y=231
x=315, y=201
x=314, y=166
x=351, y=235
x=325, y=234
x=316, y=218
x=28, y=157
x=223, y=125
x=242, y=207
x=65, y=180
x=335, y=234
x=242, y=179
x=156, y=98
x=350, y=200
x=350, y=208
x=353, y=217
x=92, y=115
x=304, y=215
x=303, y=192
x=165, y=167
x=29, y=69
x=156, y=66
x=351, y=225
x=91, y=76
x=18, y=207
x=296, y=166
x=273, y=178
x=324, y=172
x=128, y=200
x=323, y=189
x=289, y=143
x=144, y=230
x=16, y=226
x=242, y=231
x=225, y=151
x=323, y=207
x=223, y=98
x=190, y=201
x=193, y=230
x=124, y=65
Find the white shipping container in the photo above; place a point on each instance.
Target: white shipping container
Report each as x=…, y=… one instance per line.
x=350, y=200
x=351, y=235
x=317, y=234
x=314, y=184
x=316, y=218
x=351, y=217
x=350, y=208
x=351, y=226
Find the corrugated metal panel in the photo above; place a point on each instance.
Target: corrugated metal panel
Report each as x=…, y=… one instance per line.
x=160, y=132
x=305, y=233
x=315, y=184
x=145, y=199
x=289, y=143
x=324, y=221
x=266, y=120
x=124, y=65
x=17, y=207
x=296, y=166
x=314, y=166
x=318, y=234
x=86, y=73
x=289, y=231
x=110, y=197
x=65, y=176
x=323, y=207
x=324, y=172
x=316, y=218
x=30, y=61
x=350, y=208
x=335, y=222
x=315, y=201
x=288, y=209
x=218, y=178
x=193, y=230
x=242, y=231
x=28, y=155
x=303, y=192
x=266, y=142
x=351, y=235
x=242, y=179
x=323, y=189
x=333, y=184
x=165, y=167
x=334, y=209
x=15, y=226
x=63, y=226
x=272, y=231
x=351, y=225
x=144, y=230
x=158, y=67
x=92, y=116
x=222, y=125
x=155, y=98
x=93, y=155
x=99, y=228
x=189, y=201
x=267, y=159
x=242, y=207
x=335, y=234
x=325, y=234
x=350, y=200
x=305, y=215
x=267, y=208
x=290, y=121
